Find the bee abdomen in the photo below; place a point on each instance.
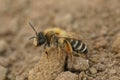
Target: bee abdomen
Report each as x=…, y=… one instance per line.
x=78, y=46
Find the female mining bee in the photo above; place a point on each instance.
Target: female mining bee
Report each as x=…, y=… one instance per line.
x=60, y=39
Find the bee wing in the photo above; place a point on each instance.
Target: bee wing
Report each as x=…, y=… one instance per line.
x=75, y=37
x=67, y=37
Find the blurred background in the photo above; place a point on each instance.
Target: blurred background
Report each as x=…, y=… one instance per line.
x=97, y=20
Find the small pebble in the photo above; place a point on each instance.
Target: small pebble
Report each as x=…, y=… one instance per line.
x=116, y=44
x=82, y=76
x=112, y=71
x=3, y=72
x=114, y=78
x=4, y=61
x=78, y=64
x=21, y=77
x=93, y=70
x=100, y=67
x=67, y=76
x=3, y=46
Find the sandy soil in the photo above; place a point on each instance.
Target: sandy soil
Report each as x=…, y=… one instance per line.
x=96, y=20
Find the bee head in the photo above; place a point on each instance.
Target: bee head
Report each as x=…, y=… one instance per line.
x=39, y=39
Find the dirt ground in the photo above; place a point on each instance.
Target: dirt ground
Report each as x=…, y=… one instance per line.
x=96, y=20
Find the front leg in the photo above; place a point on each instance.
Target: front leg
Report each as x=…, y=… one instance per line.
x=46, y=45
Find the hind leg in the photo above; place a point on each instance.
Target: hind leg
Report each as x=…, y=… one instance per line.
x=72, y=60
x=46, y=47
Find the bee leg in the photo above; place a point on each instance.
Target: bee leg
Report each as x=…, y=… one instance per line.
x=58, y=50
x=46, y=48
x=46, y=52
x=59, y=54
x=45, y=45
x=58, y=47
x=71, y=59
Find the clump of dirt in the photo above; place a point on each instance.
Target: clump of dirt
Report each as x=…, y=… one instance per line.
x=49, y=65
x=98, y=21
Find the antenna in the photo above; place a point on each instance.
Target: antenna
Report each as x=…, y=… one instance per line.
x=31, y=38
x=33, y=28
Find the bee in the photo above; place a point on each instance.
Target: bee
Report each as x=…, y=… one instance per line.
x=60, y=39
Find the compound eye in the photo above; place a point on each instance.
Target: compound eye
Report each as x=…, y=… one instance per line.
x=35, y=42
x=41, y=38
x=42, y=41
